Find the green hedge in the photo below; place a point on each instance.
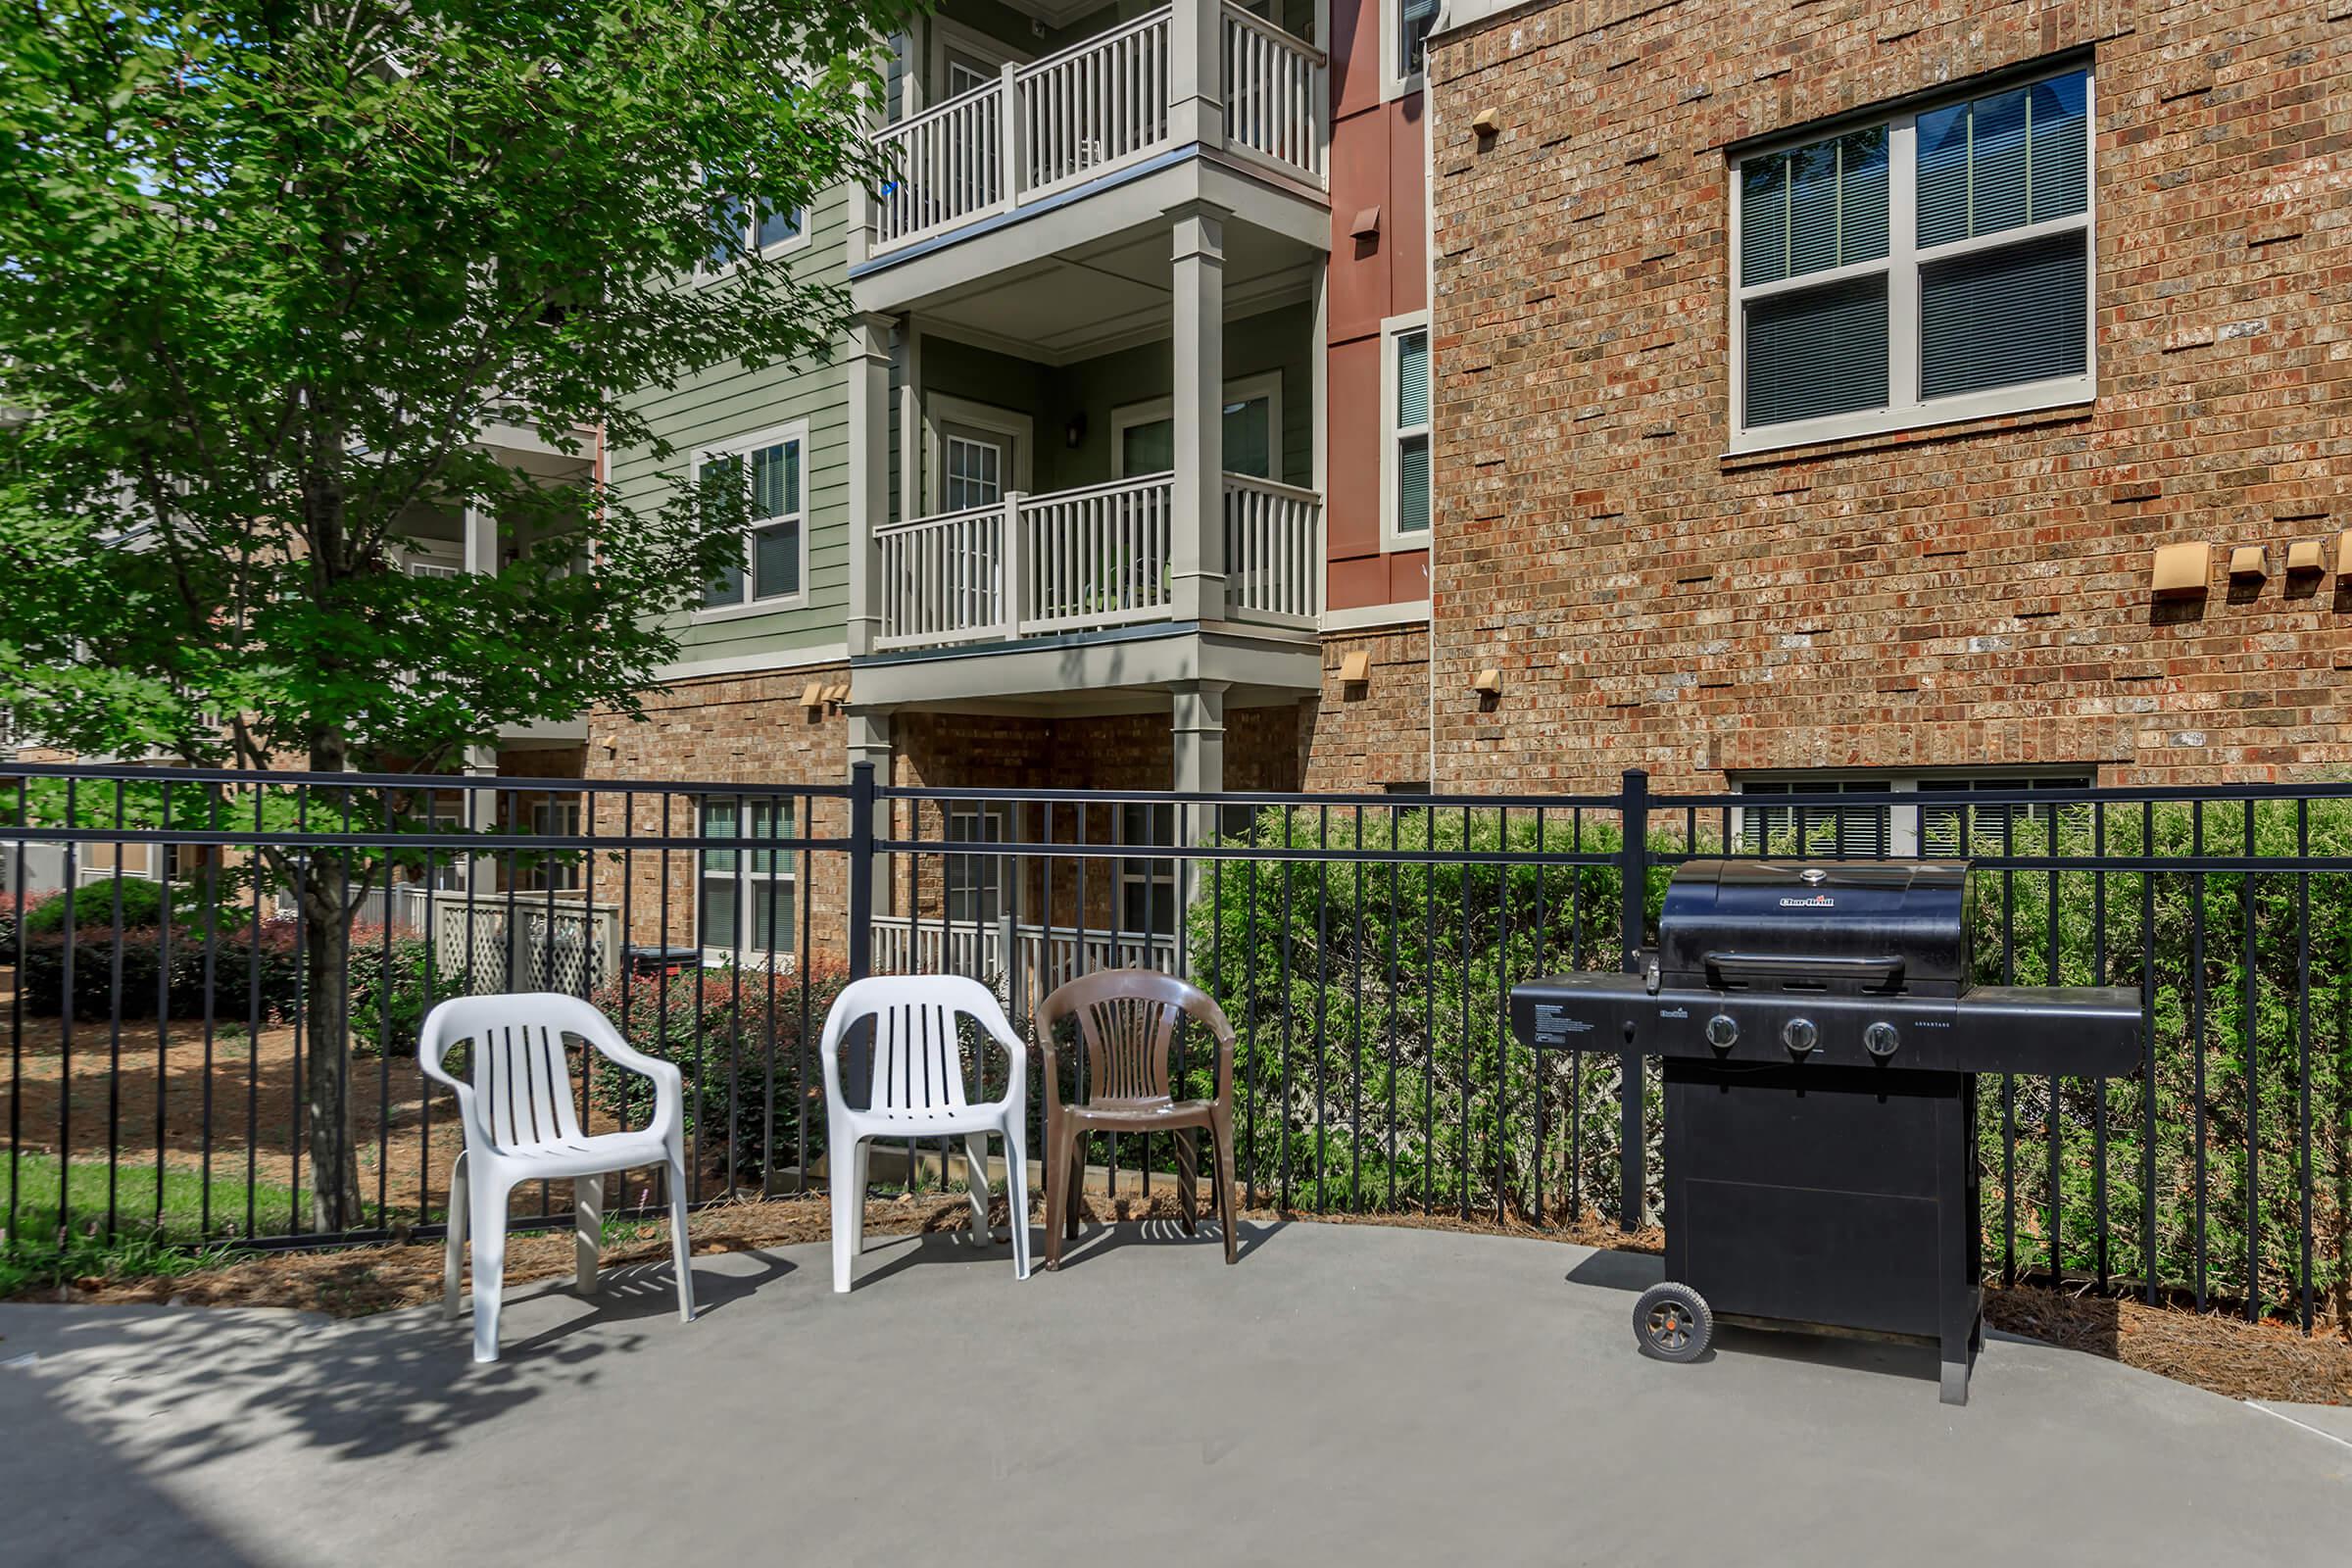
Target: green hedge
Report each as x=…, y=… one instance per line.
x=1300, y=956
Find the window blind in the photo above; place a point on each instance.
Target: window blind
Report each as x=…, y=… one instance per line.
x=1817, y=351
x=2004, y=317
x=1855, y=832
x=1813, y=208
x=2004, y=161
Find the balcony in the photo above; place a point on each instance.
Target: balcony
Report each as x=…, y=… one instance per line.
x=1090, y=559
x=1107, y=104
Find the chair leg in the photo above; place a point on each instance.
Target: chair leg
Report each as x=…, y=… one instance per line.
x=1057, y=1189
x=1016, y=1193
x=1188, y=1189
x=587, y=1229
x=1074, y=1145
x=1220, y=1133
x=847, y=1165
x=488, y=1222
x=452, y=1262
x=680, y=1251
x=975, y=1180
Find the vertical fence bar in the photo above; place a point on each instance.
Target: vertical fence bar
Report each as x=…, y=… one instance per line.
x=1633, y=869
x=862, y=870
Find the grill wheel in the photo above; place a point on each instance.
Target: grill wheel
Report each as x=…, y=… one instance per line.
x=1673, y=1323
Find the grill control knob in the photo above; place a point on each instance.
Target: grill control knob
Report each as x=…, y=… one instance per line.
x=1799, y=1036
x=1880, y=1040
x=1723, y=1031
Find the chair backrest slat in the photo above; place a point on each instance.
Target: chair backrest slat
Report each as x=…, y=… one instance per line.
x=1126, y=1021
x=917, y=1059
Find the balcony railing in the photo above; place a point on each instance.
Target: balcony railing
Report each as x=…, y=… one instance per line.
x=1088, y=110
x=1086, y=560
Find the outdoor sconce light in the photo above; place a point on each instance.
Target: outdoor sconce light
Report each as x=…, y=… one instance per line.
x=2181, y=569
x=2303, y=557
x=2249, y=563
x=1356, y=669
x=1488, y=682
x=1073, y=434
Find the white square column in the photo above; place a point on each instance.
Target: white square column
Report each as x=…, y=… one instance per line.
x=1197, y=565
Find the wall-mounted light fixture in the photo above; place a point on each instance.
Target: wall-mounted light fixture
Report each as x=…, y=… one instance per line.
x=2181, y=569
x=1073, y=434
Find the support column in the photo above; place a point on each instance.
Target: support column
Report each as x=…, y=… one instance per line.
x=869, y=475
x=479, y=530
x=1196, y=727
x=1196, y=569
x=870, y=742
x=1196, y=73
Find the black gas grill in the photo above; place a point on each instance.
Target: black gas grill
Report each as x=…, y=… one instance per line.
x=1821, y=1044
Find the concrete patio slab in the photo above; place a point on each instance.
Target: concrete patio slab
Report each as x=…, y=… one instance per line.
x=1346, y=1393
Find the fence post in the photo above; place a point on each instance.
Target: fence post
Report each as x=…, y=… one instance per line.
x=861, y=869
x=1633, y=870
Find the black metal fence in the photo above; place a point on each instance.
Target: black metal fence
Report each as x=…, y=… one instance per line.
x=169, y=1024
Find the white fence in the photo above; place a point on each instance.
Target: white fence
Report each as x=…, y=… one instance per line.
x=1042, y=957
x=1081, y=560
x=1088, y=110
x=489, y=944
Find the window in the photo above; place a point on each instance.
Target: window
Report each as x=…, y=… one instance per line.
x=1403, y=44
x=1929, y=266
x=738, y=230
x=1144, y=434
x=975, y=882
x=975, y=472
x=1885, y=824
x=774, y=564
x=1147, y=887
x=1404, y=449
x=745, y=906
x=559, y=871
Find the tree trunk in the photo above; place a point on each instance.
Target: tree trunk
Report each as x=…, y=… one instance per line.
x=321, y=888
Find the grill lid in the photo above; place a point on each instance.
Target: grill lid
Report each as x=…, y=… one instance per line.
x=1845, y=926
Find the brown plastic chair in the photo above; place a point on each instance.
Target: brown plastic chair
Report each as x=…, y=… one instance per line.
x=1127, y=1022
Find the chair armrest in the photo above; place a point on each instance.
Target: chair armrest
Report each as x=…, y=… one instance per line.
x=669, y=1082
x=432, y=1046
x=1016, y=1051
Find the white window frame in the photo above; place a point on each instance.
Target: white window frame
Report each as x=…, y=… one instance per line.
x=559, y=815
x=750, y=884
x=1396, y=81
x=1158, y=873
x=1392, y=434
x=743, y=447
x=1266, y=384
x=947, y=34
x=1904, y=258
x=1902, y=820
x=985, y=873
x=432, y=558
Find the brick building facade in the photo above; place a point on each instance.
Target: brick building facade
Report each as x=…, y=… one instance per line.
x=1961, y=595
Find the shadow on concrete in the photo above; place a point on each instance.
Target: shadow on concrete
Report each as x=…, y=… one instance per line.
x=1619, y=1271
x=633, y=1293
x=1096, y=1239
x=64, y=1483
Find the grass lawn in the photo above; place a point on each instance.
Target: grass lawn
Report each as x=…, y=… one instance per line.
x=141, y=1244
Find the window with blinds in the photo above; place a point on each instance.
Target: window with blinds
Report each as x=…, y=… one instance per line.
x=1856, y=832
x=1934, y=265
x=1405, y=508
x=1947, y=831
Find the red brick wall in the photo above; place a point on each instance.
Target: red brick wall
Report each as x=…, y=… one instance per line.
x=1371, y=735
x=1964, y=596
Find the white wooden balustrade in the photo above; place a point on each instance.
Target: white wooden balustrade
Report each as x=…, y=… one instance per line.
x=1042, y=957
x=1089, y=558
x=1087, y=111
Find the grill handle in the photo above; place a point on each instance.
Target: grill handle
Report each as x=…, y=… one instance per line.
x=1777, y=969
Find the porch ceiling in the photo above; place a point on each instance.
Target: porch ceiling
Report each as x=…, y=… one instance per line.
x=1111, y=292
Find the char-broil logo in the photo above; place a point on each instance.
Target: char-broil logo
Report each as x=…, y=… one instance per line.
x=1818, y=901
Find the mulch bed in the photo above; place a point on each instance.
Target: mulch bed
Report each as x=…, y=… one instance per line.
x=2228, y=1356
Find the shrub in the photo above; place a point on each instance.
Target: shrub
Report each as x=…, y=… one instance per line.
x=1354, y=1086
x=238, y=962
x=388, y=999
x=93, y=907
x=11, y=914
x=733, y=1033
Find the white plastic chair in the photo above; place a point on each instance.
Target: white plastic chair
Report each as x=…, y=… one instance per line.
x=520, y=1126
x=918, y=1091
